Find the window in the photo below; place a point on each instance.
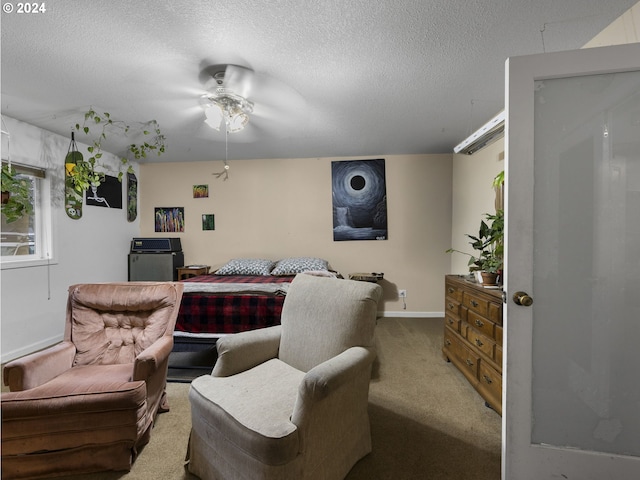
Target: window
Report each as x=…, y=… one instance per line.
x=27, y=241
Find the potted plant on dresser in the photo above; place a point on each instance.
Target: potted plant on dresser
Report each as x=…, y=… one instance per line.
x=489, y=242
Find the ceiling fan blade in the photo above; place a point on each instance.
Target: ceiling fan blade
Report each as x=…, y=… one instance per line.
x=239, y=80
x=275, y=94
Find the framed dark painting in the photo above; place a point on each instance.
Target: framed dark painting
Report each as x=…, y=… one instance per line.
x=359, y=200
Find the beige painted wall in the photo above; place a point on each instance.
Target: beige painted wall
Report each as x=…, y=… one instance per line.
x=282, y=207
x=625, y=29
x=473, y=196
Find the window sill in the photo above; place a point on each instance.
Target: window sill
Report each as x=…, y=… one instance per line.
x=12, y=264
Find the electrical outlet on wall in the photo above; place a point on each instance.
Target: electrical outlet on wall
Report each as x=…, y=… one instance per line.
x=402, y=293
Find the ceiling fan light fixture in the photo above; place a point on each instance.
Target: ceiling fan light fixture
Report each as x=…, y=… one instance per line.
x=237, y=121
x=223, y=105
x=214, y=116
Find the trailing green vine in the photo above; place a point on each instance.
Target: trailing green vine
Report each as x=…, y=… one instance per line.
x=154, y=142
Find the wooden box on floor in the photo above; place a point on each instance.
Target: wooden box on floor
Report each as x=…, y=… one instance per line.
x=473, y=336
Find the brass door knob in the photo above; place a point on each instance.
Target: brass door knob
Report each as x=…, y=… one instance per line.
x=522, y=298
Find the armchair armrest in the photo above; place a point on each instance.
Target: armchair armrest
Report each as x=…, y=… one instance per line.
x=38, y=368
x=327, y=377
x=151, y=358
x=245, y=350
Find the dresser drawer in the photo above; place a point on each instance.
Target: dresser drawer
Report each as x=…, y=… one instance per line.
x=452, y=308
x=495, y=313
x=469, y=359
x=453, y=292
x=466, y=359
x=450, y=341
x=498, y=335
x=452, y=322
x=476, y=304
x=491, y=385
x=481, y=342
x=498, y=356
x=481, y=324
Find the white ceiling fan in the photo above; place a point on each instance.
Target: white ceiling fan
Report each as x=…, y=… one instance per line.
x=236, y=97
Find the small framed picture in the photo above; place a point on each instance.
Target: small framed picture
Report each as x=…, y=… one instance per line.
x=169, y=219
x=200, y=191
x=208, y=221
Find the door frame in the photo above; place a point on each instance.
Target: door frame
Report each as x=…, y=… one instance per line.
x=521, y=459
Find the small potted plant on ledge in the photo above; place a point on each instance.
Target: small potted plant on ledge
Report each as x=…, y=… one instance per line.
x=489, y=242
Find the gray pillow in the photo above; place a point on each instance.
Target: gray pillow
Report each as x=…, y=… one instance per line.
x=246, y=266
x=295, y=265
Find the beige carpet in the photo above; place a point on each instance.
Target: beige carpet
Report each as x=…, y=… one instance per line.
x=427, y=422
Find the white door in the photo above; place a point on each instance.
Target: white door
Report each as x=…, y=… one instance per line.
x=571, y=406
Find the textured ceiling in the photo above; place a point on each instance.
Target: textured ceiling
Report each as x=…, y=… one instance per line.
x=333, y=78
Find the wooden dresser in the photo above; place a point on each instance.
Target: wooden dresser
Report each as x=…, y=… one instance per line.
x=473, y=336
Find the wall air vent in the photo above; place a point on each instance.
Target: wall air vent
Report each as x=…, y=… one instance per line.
x=487, y=134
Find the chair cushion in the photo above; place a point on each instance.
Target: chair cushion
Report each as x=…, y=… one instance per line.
x=251, y=410
x=113, y=323
x=322, y=317
x=55, y=414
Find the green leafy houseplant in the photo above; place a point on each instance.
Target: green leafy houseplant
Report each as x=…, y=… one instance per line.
x=17, y=197
x=498, y=188
x=85, y=173
x=489, y=242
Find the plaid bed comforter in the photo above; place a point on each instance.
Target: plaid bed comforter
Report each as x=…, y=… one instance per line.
x=230, y=313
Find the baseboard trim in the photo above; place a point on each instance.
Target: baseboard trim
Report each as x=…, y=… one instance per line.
x=33, y=347
x=404, y=313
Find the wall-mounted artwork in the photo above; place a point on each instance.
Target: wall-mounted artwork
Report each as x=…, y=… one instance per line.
x=107, y=194
x=359, y=200
x=208, y=221
x=200, y=191
x=132, y=197
x=169, y=219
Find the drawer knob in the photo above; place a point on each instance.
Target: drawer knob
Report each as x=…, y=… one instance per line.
x=447, y=342
x=451, y=290
x=487, y=379
x=479, y=342
x=450, y=306
x=473, y=303
x=469, y=362
x=450, y=321
x=479, y=323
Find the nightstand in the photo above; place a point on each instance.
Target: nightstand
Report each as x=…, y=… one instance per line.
x=366, y=277
x=192, y=271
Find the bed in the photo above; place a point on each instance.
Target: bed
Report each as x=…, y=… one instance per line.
x=244, y=294
x=215, y=305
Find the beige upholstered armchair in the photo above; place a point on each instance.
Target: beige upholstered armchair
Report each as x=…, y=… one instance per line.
x=290, y=402
x=88, y=403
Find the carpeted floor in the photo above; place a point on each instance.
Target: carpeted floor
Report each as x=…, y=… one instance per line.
x=427, y=422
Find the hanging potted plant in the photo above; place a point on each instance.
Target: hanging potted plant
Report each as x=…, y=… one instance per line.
x=489, y=242
x=17, y=197
x=82, y=175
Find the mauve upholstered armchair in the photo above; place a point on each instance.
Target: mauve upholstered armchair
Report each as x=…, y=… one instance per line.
x=290, y=401
x=88, y=403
